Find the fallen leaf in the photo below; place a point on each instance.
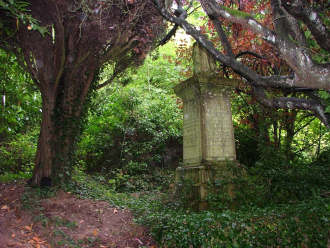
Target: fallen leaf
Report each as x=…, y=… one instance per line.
x=4, y=207
x=29, y=228
x=15, y=245
x=95, y=232
x=36, y=239
x=139, y=241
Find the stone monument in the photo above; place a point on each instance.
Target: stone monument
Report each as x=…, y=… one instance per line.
x=208, y=135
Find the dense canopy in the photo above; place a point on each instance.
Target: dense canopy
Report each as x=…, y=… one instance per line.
x=297, y=32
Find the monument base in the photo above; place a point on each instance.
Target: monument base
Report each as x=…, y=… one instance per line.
x=194, y=183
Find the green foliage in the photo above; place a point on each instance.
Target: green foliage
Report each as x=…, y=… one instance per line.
x=20, y=101
x=267, y=185
x=272, y=179
x=276, y=136
x=323, y=160
x=122, y=180
x=159, y=69
x=95, y=187
x=302, y=225
x=9, y=177
x=246, y=146
x=17, y=155
x=325, y=96
x=19, y=11
x=130, y=128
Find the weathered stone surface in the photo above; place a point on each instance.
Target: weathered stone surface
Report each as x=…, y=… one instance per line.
x=208, y=135
x=203, y=62
x=192, y=136
x=218, y=133
x=207, y=125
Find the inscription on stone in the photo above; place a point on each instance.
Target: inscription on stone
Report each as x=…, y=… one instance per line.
x=191, y=133
x=219, y=138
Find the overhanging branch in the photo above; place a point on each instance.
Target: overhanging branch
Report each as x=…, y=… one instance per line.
x=302, y=10
x=238, y=67
x=293, y=103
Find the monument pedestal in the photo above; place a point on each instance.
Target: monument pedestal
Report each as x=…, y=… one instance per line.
x=195, y=183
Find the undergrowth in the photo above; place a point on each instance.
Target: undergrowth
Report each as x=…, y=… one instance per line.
x=299, y=223
x=303, y=223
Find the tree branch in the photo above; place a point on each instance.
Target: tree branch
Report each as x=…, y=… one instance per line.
x=301, y=10
x=286, y=25
x=240, y=54
x=60, y=55
x=293, y=103
x=223, y=37
x=168, y=35
x=110, y=80
x=241, y=69
x=307, y=73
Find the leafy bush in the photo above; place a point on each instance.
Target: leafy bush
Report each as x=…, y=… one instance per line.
x=20, y=100
x=9, y=177
x=131, y=130
x=246, y=146
x=267, y=184
x=18, y=154
x=323, y=159
x=154, y=179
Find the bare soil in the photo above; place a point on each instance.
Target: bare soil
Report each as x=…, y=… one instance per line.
x=65, y=221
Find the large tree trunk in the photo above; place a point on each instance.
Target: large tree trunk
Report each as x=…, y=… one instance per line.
x=43, y=161
x=62, y=113
x=53, y=160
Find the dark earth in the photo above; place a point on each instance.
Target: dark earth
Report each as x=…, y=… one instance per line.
x=64, y=221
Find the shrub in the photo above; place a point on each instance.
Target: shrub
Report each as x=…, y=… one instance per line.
x=266, y=185
x=18, y=155
x=246, y=146
x=132, y=131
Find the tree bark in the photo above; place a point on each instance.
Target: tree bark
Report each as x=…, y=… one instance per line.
x=43, y=164
x=58, y=133
x=63, y=109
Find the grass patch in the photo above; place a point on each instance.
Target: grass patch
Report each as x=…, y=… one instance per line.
x=10, y=177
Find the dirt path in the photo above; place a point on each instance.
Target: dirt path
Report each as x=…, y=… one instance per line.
x=64, y=221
